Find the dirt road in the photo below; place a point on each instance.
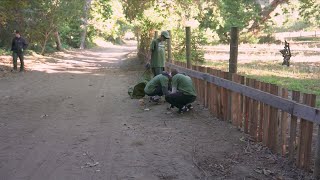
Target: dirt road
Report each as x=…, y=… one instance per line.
x=69, y=118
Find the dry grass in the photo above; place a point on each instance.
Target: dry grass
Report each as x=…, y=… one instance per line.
x=300, y=76
x=263, y=62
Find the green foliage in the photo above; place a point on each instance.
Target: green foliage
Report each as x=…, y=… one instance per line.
x=179, y=46
x=37, y=20
x=236, y=13
x=135, y=8
x=309, y=10
x=70, y=33
x=111, y=25
x=5, y=52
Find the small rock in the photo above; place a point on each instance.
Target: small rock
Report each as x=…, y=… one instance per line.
x=44, y=115
x=88, y=164
x=267, y=172
x=147, y=109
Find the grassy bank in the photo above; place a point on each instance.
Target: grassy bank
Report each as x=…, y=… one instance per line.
x=303, y=77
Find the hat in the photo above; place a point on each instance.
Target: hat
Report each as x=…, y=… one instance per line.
x=166, y=74
x=165, y=34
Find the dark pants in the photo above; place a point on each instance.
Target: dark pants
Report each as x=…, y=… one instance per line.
x=156, y=92
x=15, y=56
x=157, y=70
x=179, y=99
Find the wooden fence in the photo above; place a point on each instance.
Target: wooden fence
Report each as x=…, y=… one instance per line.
x=281, y=120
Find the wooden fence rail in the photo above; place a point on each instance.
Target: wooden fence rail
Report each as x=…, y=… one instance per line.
x=262, y=110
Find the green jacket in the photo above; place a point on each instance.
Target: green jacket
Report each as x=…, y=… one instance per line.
x=158, y=81
x=183, y=83
x=157, y=49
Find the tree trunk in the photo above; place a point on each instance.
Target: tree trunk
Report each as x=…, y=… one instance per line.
x=58, y=40
x=265, y=15
x=46, y=37
x=85, y=24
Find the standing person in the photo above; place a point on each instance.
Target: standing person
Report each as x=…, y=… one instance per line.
x=17, y=47
x=183, y=92
x=158, y=86
x=157, y=49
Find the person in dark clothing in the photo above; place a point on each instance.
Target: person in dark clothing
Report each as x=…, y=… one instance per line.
x=18, y=46
x=183, y=92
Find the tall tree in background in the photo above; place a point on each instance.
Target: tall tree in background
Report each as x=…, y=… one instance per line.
x=265, y=15
x=86, y=11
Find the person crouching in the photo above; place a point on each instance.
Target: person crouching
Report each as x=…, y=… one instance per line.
x=183, y=92
x=157, y=86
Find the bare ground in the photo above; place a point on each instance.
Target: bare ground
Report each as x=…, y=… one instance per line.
x=69, y=117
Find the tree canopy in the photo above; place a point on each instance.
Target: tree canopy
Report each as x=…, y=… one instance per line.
x=57, y=24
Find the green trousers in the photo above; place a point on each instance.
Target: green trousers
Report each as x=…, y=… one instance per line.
x=15, y=56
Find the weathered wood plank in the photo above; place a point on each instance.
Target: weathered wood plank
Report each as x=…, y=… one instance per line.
x=305, y=142
x=261, y=112
x=241, y=117
x=206, y=89
x=252, y=120
x=283, y=126
x=293, y=128
x=297, y=109
x=246, y=109
x=266, y=109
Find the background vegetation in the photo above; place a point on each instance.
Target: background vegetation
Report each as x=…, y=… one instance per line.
x=54, y=25
x=51, y=25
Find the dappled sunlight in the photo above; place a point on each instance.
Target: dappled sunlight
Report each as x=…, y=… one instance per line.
x=95, y=61
x=101, y=42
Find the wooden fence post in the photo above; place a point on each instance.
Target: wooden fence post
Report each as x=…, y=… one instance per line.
x=188, y=47
x=233, y=64
x=233, y=61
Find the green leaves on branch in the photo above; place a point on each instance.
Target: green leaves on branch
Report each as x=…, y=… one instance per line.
x=309, y=10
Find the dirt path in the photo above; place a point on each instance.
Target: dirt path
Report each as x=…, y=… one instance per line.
x=72, y=111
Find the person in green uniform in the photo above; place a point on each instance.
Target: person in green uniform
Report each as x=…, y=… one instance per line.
x=157, y=86
x=157, y=49
x=183, y=92
x=17, y=47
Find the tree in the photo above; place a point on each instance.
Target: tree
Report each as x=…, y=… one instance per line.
x=264, y=15
x=309, y=10
x=86, y=11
